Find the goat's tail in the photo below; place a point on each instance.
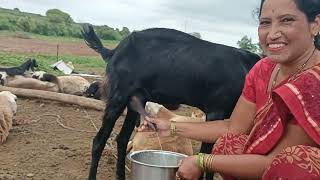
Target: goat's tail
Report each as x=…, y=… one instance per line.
x=93, y=41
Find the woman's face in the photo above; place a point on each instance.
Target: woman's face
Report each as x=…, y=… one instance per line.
x=284, y=32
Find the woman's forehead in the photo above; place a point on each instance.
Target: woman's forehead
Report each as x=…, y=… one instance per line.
x=279, y=7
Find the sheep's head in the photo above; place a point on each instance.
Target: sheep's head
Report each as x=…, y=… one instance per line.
x=11, y=98
x=3, y=78
x=38, y=74
x=92, y=89
x=1, y=81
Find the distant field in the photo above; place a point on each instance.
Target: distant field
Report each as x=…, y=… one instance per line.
x=15, y=47
x=108, y=43
x=83, y=64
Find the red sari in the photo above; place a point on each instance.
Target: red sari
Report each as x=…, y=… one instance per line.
x=296, y=101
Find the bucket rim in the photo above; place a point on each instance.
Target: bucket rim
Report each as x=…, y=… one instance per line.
x=129, y=156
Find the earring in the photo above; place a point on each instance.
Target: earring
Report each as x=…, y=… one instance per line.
x=314, y=37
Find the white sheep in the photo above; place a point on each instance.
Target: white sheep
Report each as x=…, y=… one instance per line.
x=8, y=108
x=30, y=83
x=75, y=85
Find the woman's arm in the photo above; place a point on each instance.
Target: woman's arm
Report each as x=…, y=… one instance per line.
x=250, y=166
x=240, y=122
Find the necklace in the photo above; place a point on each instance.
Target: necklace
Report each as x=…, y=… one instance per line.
x=294, y=74
x=267, y=106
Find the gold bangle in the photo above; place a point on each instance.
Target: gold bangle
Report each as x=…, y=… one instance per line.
x=173, y=128
x=209, y=162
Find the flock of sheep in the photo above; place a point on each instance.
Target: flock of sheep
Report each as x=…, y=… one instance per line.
x=20, y=77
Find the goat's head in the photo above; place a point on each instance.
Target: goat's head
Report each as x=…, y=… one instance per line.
x=33, y=64
x=11, y=98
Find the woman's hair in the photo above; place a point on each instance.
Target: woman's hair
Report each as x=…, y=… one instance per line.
x=311, y=8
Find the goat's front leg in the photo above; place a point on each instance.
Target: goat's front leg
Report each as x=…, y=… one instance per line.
x=123, y=139
x=110, y=116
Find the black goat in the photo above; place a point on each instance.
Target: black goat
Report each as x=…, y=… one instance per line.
x=168, y=67
x=95, y=91
x=20, y=70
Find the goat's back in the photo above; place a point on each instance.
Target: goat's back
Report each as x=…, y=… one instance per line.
x=175, y=67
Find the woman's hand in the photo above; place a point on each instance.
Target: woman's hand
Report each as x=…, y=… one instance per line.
x=188, y=169
x=162, y=125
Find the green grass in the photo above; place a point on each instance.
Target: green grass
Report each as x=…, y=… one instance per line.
x=82, y=64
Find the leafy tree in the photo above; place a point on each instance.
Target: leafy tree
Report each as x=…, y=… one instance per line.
x=41, y=28
x=26, y=24
x=246, y=44
x=5, y=24
x=57, y=16
x=124, y=32
x=55, y=23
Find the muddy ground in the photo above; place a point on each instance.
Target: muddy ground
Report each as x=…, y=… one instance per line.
x=52, y=140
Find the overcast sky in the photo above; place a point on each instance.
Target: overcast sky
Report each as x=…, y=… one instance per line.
x=219, y=21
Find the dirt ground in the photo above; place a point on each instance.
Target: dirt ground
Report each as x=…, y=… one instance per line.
x=20, y=45
x=52, y=140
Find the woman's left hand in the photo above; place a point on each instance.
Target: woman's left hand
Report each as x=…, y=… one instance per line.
x=188, y=169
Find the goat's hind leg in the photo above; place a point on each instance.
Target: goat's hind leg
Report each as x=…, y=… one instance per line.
x=135, y=107
x=123, y=139
x=112, y=112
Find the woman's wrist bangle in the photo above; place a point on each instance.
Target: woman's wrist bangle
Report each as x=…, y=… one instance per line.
x=208, y=162
x=200, y=161
x=173, y=128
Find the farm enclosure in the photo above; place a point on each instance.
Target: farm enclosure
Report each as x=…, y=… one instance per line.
x=38, y=146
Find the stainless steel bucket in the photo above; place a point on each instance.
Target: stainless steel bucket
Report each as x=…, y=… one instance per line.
x=154, y=164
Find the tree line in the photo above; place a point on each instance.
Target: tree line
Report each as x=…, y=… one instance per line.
x=54, y=23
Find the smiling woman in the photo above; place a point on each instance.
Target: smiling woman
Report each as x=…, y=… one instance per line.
x=274, y=130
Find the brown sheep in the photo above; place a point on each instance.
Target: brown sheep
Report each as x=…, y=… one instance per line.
x=30, y=83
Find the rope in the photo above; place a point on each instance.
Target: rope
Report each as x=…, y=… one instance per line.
x=58, y=117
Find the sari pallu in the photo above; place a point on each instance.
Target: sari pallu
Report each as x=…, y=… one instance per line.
x=296, y=101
